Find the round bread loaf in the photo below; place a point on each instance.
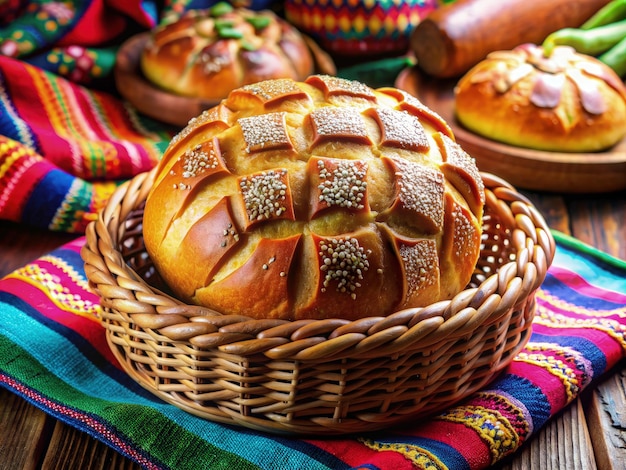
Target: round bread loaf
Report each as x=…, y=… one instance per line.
x=567, y=102
x=315, y=199
x=208, y=53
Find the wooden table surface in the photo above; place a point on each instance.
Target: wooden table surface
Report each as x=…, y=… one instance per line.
x=589, y=434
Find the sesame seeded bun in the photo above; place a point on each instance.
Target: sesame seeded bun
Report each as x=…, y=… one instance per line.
x=207, y=53
x=315, y=199
x=567, y=102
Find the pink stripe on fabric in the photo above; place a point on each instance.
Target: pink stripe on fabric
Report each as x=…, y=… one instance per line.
x=551, y=385
x=578, y=283
x=610, y=346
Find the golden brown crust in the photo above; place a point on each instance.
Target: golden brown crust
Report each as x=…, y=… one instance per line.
x=566, y=103
x=315, y=199
x=205, y=54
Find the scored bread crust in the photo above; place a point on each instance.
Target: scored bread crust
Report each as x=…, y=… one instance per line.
x=568, y=102
x=315, y=199
x=206, y=55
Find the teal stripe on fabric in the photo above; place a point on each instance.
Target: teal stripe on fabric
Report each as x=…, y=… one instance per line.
x=46, y=346
x=568, y=253
x=576, y=245
x=135, y=420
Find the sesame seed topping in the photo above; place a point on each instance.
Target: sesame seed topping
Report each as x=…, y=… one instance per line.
x=265, y=132
x=196, y=163
x=193, y=123
x=341, y=86
x=343, y=261
x=271, y=89
x=339, y=123
x=421, y=190
x=421, y=264
x=414, y=106
x=265, y=194
x=464, y=233
x=401, y=129
x=198, y=160
x=342, y=183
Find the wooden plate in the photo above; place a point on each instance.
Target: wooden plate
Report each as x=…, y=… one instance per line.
x=167, y=107
x=524, y=168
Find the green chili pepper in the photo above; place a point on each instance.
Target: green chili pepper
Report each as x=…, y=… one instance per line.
x=258, y=22
x=609, y=13
x=247, y=45
x=228, y=32
x=221, y=23
x=220, y=9
x=616, y=58
x=587, y=41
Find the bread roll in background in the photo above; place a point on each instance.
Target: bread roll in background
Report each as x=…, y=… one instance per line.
x=455, y=37
x=315, y=199
x=568, y=102
x=208, y=53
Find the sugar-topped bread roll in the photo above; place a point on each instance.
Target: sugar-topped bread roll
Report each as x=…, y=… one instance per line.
x=315, y=199
x=567, y=102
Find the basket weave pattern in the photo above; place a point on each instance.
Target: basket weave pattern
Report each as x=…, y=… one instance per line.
x=318, y=376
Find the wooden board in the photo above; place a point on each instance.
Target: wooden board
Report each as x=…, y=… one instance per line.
x=524, y=168
x=167, y=107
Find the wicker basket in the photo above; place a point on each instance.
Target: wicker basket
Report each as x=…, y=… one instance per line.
x=315, y=377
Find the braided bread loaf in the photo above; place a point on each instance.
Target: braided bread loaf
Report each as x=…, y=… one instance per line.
x=208, y=53
x=315, y=199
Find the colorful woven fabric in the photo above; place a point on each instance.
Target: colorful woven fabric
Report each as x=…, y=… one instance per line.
x=53, y=353
x=64, y=147
x=66, y=138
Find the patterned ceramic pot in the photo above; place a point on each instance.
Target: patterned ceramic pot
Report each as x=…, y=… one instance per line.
x=359, y=27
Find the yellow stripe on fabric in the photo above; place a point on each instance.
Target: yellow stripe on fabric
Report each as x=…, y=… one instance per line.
x=99, y=154
x=492, y=427
x=561, y=304
x=65, y=127
x=81, y=205
x=557, y=368
x=9, y=186
x=90, y=155
x=126, y=136
x=420, y=457
x=72, y=213
x=22, y=129
x=14, y=151
x=613, y=328
x=55, y=290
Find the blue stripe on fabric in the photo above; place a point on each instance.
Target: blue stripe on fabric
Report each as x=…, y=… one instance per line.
x=46, y=198
x=7, y=125
x=72, y=258
x=559, y=289
x=526, y=392
x=585, y=347
x=47, y=345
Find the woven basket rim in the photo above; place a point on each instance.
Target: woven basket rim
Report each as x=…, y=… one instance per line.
x=524, y=274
